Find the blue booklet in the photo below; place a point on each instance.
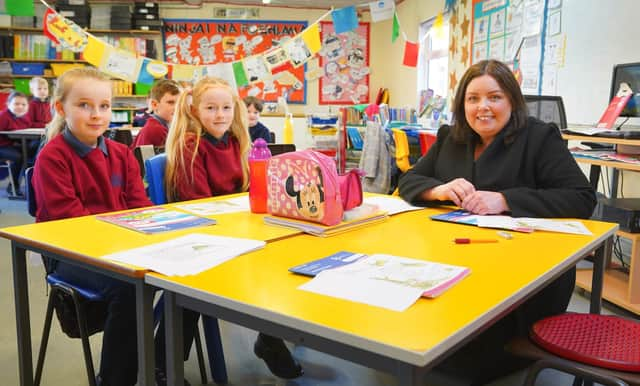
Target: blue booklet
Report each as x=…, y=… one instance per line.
x=336, y=260
x=460, y=216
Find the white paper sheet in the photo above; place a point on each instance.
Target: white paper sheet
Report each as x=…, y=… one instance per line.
x=391, y=205
x=187, y=255
x=236, y=204
x=542, y=224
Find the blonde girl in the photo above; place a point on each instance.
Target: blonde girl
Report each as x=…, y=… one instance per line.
x=208, y=143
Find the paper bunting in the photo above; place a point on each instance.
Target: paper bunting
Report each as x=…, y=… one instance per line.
x=395, y=32
x=256, y=69
x=223, y=71
x=345, y=19
x=64, y=32
x=151, y=70
x=94, y=52
x=120, y=64
x=311, y=37
x=410, y=54
x=240, y=74
x=381, y=10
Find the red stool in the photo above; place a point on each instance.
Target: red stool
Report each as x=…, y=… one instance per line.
x=600, y=348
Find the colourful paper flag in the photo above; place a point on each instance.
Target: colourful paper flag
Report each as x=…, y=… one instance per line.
x=395, y=32
x=240, y=74
x=410, y=54
x=311, y=37
x=381, y=10
x=183, y=72
x=223, y=71
x=344, y=19
x=94, y=52
x=151, y=70
x=20, y=7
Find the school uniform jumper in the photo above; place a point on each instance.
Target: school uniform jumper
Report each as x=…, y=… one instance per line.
x=539, y=178
x=154, y=132
x=260, y=131
x=39, y=112
x=9, y=150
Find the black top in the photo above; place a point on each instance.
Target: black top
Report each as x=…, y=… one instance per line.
x=535, y=172
x=260, y=131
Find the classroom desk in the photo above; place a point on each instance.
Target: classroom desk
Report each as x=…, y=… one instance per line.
x=83, y=240
x=257, y=291
x=24, y=135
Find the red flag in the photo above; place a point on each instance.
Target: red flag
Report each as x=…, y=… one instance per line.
x=410, y=54
x=49, y=17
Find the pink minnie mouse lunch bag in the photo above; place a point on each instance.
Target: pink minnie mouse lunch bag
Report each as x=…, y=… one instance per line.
x=304, y=185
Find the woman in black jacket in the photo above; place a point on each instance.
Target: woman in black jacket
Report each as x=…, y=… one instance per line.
x=495, y=159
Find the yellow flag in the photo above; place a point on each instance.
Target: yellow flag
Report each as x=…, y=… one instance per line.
x=311, y=37
x=94, y=51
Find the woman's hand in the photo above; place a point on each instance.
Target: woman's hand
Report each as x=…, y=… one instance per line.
x=484, y=202
x=456, y=190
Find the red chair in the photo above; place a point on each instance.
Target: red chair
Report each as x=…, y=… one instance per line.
x=594, y=348
x=426, y=140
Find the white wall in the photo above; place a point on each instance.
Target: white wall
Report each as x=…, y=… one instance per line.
x=599, y=35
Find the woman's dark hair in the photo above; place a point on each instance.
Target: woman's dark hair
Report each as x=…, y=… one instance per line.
x=509, y=85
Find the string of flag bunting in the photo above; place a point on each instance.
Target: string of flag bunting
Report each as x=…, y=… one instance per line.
x=129, y=66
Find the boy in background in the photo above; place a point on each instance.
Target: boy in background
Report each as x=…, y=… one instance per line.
x=15, y=117
x=39, y=107
x=163, y=94
x=256, y=129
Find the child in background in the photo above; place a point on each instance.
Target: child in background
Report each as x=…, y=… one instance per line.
x=79, y=172
x=15, y=117
x=39, y=107
x=207, y=155
x=164, y=94
x=256, y=129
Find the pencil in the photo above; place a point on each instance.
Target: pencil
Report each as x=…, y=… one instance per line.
x=474, y=241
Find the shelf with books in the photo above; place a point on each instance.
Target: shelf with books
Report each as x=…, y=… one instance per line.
x=13, y=29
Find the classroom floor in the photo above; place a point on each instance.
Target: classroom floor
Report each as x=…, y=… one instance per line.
x=64, y=363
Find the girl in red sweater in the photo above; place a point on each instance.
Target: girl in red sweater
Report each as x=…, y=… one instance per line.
x=207, y=155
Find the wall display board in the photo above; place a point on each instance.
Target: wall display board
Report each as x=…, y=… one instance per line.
x=221, y=45
x=511, y=31
x=345, y=60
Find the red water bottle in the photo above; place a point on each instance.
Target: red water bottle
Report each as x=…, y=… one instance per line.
x=258, y=162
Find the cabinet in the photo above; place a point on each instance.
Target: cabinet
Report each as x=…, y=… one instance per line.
x=620, y=288
x=30, y=54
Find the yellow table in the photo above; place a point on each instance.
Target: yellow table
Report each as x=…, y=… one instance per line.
x=83, y=240
x=257, y=291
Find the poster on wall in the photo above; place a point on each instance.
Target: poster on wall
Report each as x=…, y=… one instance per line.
x=344, y=59
x=251, y=53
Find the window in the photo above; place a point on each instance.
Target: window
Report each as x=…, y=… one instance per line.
x=433, y=59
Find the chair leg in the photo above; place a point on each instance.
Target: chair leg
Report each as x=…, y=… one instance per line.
x=13, y=186
x=581, y=372
x=200, y=355
x=214, y=349
x=84, y=336
x=45, y=338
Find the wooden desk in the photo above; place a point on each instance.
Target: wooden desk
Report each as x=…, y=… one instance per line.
x=257, y=291
x=82, y=241
x=619, y=288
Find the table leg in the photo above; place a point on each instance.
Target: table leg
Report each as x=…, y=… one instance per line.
x=174, y=344
x=594, y=176
x=601, y=256
x=409, y=375
x=21, y=293
x=146, y=354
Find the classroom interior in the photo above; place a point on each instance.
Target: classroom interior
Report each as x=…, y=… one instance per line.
x=583, y=81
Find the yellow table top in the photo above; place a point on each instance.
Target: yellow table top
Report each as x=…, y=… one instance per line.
x=86, y=238
x=502, y=274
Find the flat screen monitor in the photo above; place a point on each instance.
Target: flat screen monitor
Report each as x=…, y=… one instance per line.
x=630, y=74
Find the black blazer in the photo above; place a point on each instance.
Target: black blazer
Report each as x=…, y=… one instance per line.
x=535, y=172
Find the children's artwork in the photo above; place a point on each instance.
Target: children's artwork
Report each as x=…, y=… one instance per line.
x=156, y=220
x=261, y=46
x=344, y=59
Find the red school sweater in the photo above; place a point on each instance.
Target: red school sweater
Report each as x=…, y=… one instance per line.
x=217, y=169
x=70, y=185
x=153, y=133
x=39, y=112
x=9, y=122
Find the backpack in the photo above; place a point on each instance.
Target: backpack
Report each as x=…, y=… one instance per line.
x=305, y=185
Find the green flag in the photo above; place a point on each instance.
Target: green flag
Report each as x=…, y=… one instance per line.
x=240, y=74
x=20, y=7
x=396, y=28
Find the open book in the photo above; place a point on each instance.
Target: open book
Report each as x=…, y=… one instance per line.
x=387, y=281
x=156, y=220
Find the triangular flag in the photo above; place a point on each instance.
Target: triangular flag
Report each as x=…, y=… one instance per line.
x=120, y=64
x=395, y=32
x=20, y=7
x=410, y=54
x=49, y=16
x=311, y=37
x=151, y=70
x=223, y=71
x=94, y=51
x=240, y=74
x=345, y=19
x=381, y=10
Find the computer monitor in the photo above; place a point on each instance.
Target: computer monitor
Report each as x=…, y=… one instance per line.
x=630, y=74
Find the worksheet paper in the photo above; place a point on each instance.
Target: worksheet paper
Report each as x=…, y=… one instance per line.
x=187, y=255
x=538, y=224
x=390, y=204
x=236, y=204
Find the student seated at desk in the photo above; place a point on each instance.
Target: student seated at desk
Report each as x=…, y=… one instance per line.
x=39, y=106
x=207, y=155
x=15, y=117
x=163, y=94
x=80, y=172
x=256, y=129
x=494, y=159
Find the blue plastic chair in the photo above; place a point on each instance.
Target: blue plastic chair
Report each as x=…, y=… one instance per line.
x=155, y=167
x=61, y=287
